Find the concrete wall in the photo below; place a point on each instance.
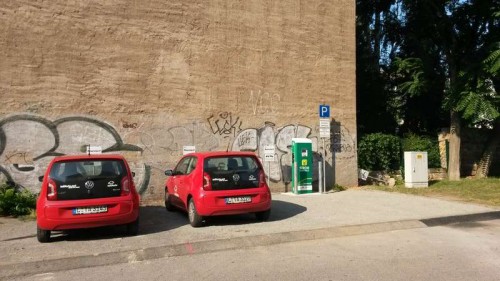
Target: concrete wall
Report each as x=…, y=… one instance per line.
x=143, y=78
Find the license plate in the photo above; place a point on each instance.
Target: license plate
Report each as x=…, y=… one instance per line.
x=237, y=200
x=90, y=210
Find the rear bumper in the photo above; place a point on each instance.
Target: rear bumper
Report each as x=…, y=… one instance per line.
x=59, y=215
x=213, y=203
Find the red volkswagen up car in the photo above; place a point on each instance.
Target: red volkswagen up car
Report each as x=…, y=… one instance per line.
x=218, y=183
x=87, y=191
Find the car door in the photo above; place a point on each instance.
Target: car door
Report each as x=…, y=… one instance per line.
x=185, y=188
x=178, y=179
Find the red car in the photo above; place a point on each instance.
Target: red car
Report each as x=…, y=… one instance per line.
x=87, y=191
x=218, y=183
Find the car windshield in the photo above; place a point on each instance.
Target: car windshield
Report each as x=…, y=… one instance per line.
x=232, y=172
x=231, y=163
x=88, y=179
x=88, y=169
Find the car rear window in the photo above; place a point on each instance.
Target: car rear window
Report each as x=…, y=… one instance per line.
x=232, y=172
x=88, y=179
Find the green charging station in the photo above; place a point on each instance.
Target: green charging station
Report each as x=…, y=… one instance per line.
x=302, y=163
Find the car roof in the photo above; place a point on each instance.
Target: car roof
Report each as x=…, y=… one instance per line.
x=206, y=154
x=88, y=157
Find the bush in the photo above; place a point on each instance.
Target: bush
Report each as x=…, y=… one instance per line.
x=379, y=152
x=412, y=142
x=338, y=187
x=16, y=203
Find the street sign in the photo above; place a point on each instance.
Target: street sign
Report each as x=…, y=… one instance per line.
x=324, y=111
x=324, y=132
x=188, y=149
x=269, y=153
x=324, y=127
x=324, y=122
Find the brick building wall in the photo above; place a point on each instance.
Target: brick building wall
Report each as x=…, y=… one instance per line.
x=145, y=78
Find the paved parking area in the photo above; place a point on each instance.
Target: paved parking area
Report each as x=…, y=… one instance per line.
x=290, y=213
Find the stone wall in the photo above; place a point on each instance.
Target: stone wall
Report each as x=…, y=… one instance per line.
x=473, y=144
x=144, y=78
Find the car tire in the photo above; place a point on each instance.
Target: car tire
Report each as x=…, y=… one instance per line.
x=42, y=235
x=168, y=202
x=263, y=216
x=133, y=228
x=194, y=218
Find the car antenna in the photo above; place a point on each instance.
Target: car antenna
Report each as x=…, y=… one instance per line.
x=88, y=149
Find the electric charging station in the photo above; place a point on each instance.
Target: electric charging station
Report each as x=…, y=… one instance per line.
x=302, y=165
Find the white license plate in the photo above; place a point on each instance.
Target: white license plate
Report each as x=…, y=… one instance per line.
x=237, y=200
x=90, y=210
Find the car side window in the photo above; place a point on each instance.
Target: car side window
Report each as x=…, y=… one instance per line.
x=182, y=167
x=192, y=165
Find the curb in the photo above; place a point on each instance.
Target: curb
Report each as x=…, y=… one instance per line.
x=461, y=218
x=201, y=247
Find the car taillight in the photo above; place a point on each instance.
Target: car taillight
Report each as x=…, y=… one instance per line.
x=207, y=182
x=262, y=179
x=51, y=190
x=125, y=186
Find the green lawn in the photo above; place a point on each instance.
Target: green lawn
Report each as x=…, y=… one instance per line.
x=482, y=191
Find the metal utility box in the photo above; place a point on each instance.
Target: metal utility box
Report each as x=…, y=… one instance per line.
x=302, y=164
x=416, y=169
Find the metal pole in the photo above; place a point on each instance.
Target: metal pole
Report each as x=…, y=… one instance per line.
x=320, y=175
x=324, y=165
x=295, y=178
x=268, y=171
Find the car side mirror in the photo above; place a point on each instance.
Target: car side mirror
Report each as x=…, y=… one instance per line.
x=169, y=173
x=133, y=174
x=40, y=178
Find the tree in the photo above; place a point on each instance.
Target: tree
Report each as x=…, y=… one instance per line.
x=461, y=33
x=376, y=33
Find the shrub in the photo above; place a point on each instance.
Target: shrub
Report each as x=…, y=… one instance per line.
x=412, y=142
x=16, y=203
x=338, y=187
x=379, y=152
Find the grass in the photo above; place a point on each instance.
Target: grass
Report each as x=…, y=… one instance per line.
x=481, y=191
x=29, y=217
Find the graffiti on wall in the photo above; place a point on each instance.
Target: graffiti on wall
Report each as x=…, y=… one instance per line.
x=225, y=124
x=342, y=143
x=259, y=102
x=255, y=139
x=29, y=142
x=160, y=141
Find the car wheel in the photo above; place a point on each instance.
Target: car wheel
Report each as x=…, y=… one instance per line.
x=133, y=228
x=168, y=202
x=42, y=235
x=194, y=219
x=263, y=216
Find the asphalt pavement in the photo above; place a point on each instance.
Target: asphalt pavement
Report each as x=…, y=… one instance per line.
x=166, y=234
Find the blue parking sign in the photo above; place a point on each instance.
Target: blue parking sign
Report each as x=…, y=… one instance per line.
x=324, y=111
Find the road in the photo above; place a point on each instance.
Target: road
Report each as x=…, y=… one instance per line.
x=463, y=251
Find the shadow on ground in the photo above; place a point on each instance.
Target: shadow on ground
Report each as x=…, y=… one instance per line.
x=153, y=219
x=280, y=210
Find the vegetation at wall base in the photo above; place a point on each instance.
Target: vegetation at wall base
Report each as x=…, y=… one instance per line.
x=482, y=191
x=413, y=142
x=16, y=203
x=379, y=152
x=338, y=188
x=384, y=152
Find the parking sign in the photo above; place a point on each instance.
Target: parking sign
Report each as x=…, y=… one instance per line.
x=324, y=111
